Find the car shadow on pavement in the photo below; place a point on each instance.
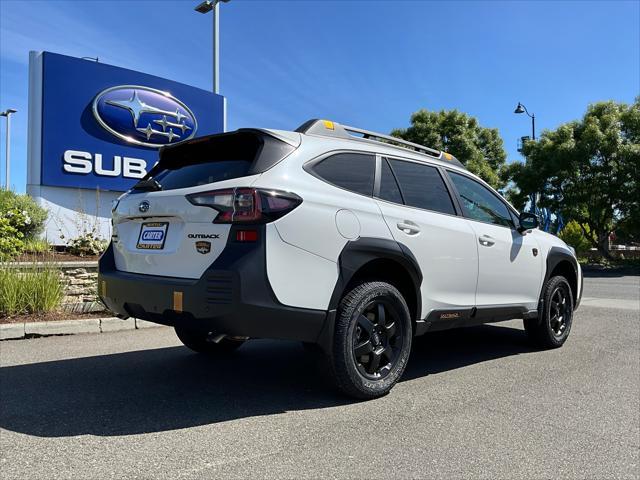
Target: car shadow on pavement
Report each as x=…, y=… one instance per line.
x=172, y=388
x=439, y=352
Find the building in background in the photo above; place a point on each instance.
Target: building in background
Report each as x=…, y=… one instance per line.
x=95, y=130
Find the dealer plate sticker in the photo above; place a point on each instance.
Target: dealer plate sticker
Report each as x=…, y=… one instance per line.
x=152, y=235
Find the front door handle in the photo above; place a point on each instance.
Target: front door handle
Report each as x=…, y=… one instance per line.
x=486, y=241
x=408, y=227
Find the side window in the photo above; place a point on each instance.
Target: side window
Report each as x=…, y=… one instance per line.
x=480, y=203
x=422, y=186
x=389, y=189
x=351, y=171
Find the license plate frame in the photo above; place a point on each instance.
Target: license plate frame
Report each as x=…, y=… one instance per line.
x=151, y=243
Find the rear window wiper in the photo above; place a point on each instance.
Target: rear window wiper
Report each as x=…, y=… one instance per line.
x=148, y=185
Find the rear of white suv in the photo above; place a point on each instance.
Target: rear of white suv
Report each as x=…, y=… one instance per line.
x=189, y=242
x=349, y=244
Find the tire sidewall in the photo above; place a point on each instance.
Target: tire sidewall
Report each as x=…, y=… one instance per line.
x=553, y=284
x=368, y=386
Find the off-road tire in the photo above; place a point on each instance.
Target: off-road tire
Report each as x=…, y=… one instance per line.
x=346, y=368
x=547, y=331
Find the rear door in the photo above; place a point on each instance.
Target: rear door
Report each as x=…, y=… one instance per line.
x=510, y=267
x=420, y=214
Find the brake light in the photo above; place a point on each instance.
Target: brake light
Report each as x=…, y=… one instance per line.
x=247, y=205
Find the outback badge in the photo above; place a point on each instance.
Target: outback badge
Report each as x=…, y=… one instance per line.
x=203, y=247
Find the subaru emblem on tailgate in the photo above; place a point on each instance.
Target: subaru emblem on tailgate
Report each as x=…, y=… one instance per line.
x=144, y=116
x=144, y=206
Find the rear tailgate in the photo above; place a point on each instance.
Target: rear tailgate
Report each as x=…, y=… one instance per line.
x=157, y=231
x=173, y=238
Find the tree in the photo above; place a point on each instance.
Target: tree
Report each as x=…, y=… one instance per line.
x=587, y=170
x=479, y=149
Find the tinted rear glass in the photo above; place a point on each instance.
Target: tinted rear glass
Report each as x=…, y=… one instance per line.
x=422, y=186
x=351, y=171
x=217, y=158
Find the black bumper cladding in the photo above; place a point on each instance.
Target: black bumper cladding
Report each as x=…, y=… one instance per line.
x=232, y=297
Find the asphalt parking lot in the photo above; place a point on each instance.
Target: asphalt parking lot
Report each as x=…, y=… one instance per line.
x=474, y=403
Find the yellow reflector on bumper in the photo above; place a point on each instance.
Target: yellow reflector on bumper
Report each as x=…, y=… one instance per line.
x=177, y=301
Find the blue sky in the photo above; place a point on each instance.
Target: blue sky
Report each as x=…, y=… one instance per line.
x=368, y=64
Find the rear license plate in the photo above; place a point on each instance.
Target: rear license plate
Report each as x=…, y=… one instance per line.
x=152, y=235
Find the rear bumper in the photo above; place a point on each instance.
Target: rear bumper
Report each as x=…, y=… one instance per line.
x=232, y=297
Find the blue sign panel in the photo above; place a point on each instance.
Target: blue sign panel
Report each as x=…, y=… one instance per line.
x=102, y=125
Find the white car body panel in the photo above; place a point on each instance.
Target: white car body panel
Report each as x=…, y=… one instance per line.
x=445, y=248
x=509, y=271
x=179, y=257
x=299, y=278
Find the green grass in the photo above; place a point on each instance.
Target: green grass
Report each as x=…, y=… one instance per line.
x=36, y=245
x=29, y=290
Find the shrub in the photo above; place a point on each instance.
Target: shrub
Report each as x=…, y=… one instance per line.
x=30, y=290
x=89, y=243
x=11, y=201
x=573, y=236
x=11, y=235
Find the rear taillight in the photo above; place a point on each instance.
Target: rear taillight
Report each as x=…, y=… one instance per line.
x=247, y=205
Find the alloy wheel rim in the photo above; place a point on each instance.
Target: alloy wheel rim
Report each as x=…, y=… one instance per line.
x=559, y=312
x=377, y=339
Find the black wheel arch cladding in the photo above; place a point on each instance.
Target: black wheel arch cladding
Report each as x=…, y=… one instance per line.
x=356, y=254
x=557, y=260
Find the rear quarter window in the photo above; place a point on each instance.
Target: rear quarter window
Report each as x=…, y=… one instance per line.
x=352, y=171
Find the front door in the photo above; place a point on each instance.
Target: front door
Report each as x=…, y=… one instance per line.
x=510, y=266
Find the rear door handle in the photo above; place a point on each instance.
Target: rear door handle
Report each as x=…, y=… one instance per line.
x=408, y=227
x=486, y=240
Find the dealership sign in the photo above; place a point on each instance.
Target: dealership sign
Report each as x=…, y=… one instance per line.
x=101, y=126
x=144, y=116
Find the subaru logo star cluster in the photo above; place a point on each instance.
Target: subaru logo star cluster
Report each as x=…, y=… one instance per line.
x=144, y=206
x=144, y=116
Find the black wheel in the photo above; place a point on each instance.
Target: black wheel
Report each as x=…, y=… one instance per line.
x=202, y=342
x=372, y=340
x=552, y=327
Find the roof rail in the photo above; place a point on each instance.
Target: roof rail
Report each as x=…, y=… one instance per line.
x=328, y=128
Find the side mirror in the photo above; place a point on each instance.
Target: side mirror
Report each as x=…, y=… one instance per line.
x=528, y=221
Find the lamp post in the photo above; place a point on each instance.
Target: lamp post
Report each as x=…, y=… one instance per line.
x=206, y=7
x=7, y=113
x=522, y=109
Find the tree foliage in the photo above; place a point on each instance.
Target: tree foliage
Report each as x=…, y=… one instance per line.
x=587, y=170
x=480, y=149
x=572, y=234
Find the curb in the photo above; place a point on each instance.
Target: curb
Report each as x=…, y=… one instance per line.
x=17, y=331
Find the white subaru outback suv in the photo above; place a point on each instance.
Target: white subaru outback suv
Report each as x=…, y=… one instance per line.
x=345, y=239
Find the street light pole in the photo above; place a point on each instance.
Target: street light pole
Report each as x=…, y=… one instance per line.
x=522, y=109
x=206, y=7
x=7, y=113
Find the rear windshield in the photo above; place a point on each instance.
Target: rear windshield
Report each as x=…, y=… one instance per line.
x=214, y=159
